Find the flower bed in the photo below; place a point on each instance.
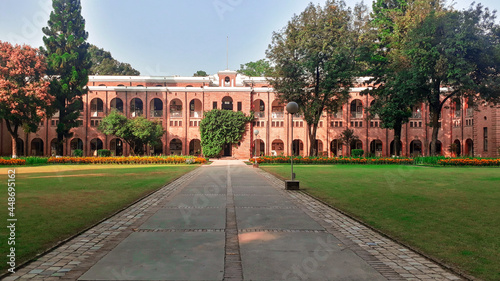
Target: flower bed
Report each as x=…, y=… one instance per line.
x=469, y=162
x=331, y=160
x=14, y=161
x=127, y=160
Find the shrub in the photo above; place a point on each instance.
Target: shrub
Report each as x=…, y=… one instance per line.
x=357, y=152
x=77, y=153
x=104, y=153
x=32, y=160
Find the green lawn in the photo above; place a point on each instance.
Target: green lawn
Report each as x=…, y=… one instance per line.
x=55, y=202
x=452, y=214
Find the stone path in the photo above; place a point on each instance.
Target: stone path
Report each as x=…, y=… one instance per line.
x=228, y=221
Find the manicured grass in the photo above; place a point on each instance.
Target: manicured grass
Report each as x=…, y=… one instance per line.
x=55, y=202
x=452, y=214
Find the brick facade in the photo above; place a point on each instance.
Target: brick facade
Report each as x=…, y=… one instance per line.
x=179, y=103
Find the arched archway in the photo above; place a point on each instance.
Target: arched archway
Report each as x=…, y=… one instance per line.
x=156, y=108
x=117, y=104
x=319, y=147
x=75, y=144
x=175, y=147
x=96, y=107
x=20, y=147
x=136, y=107
x=415, y=148
x=95, y=145
x=195, y=147
x=227, y=103
x=156, y=149
x=53, y=147
x=175, y=108
x=277, y=147
x=195, y=109
x=393, y=151
x=116, y=147
x=37, y=147
x=457, y=148
x=260, y=147
x=439, y=148
x=469, y=147
x=297, y=147
x=357, y=144
x=336, y=147
x=376, y=148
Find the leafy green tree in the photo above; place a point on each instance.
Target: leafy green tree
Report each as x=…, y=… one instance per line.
x=200, y=73
x=24, y=95
x=260, y=68
x=103, y=63
x=137, y=132
x=347, y=137
x=220, y=127
x=396, y=90
x=315, y=60
x=457, y=50
x=68, y=60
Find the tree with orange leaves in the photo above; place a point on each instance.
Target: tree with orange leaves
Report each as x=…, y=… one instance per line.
x=24, y=95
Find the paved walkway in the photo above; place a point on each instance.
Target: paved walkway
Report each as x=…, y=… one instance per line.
x=228, y=221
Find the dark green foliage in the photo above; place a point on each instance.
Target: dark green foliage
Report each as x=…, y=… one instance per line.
x=458, y=50
x=104, y=64
x=220, y=127
x=357, y=152
x=77, y=153
x=200, y=73
x=260, y=68
x=68, y=60
x=315, y=60
x=137, y=132
x=104, y=153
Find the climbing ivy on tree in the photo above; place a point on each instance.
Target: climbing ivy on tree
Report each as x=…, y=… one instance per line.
x=219, y=127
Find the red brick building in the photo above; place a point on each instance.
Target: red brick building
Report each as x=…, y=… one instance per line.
x=179, y=103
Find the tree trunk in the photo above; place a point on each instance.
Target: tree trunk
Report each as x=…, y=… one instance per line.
x=397, y=139
x=435, y=132
x=14, y=146
x=313, y=150
x=13, y=135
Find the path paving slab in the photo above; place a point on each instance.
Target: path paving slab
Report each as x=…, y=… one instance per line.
x=255, y=190
x=197, y=201
x=276, y=201
x=163, y=256
x=261, y=218
x=300, y=256
x=185, y=219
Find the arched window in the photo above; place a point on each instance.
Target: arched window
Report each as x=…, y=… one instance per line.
x=20, y=146
x=415, y=148
x=416, y=111
x=117, y=104
x=457, y=105
x=136, y=107
x=277, y=110
x=297, y=147
x=175, y=108
x=96, y=107
x=376, y=148
x=116, y=147
x=259, y=108
x=339, y=113
x=227, y=103
x=75, y=144
x=227, y=82
x=336, y=147
x=356, y=109
x=195, y=147
x=156, y=107
x=399, y=148
x=195, y=108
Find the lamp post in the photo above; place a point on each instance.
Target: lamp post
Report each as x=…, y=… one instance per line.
x=292, y=108
x=256, y=133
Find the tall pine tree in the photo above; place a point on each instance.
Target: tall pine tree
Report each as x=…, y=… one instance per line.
x=68, y=61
